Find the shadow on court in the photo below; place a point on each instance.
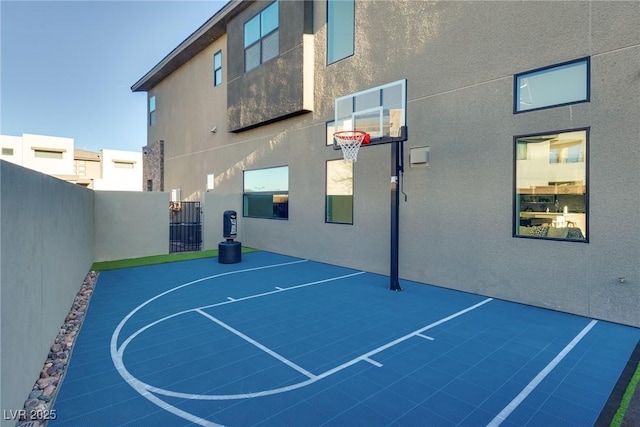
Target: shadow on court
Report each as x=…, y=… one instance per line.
x=277, y=340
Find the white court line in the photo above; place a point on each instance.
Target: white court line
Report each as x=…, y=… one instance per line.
x=257, y=344
x=231, y=299
x=146, y=390
x=139, y=331
x=538, y=379
x=426, y=337
x=365, y=357
x=139, y=386
x=401, y=339
x=278, y=290
x=373, y=362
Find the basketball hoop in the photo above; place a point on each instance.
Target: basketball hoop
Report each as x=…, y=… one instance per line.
x=350, y=142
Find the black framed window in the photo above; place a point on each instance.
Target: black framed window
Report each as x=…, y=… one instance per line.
x=261, y=37
x=553, y=86
x=330, y=129
x=340, y=29
x=152, y=110
x=551, y=186
x=266, y=193
x=339, y=192
x=217, y=68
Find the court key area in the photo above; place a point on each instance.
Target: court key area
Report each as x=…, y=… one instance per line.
x=282, y=341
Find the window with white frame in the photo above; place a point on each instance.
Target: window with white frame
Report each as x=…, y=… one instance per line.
x=561, y=84
x=217, y=68
x=261, y=37
x=551, y=192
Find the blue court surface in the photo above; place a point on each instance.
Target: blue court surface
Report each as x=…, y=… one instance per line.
x=281, y=341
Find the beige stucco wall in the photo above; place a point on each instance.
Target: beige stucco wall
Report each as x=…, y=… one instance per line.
x=131, y=224
x=459, y=59
x=46, y=249
x=188, y=96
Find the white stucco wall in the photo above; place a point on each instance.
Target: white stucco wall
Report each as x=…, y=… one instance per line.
x=115, y=177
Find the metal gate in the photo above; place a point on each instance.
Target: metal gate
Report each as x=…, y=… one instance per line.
x=185, y=227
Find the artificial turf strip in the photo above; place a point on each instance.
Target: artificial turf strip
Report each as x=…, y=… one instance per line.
x=158, y=259
x=626, y=399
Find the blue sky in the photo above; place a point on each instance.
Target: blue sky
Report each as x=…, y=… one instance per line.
x=67, y=67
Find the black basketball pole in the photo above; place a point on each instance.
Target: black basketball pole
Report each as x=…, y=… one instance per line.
x=396, y=169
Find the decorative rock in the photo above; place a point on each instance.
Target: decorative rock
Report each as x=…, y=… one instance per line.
x=31, y=403
x=53, y=370
x=35, y=394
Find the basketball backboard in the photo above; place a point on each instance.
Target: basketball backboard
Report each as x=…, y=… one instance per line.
x=380, y=111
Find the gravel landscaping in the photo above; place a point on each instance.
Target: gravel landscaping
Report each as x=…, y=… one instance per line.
x=38, y=408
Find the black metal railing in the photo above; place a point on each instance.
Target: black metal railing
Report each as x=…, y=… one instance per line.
x=185, y=227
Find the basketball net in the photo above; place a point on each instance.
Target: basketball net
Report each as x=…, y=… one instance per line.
x=350, y=142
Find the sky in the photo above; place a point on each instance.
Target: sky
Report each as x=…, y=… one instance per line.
x=67, y=67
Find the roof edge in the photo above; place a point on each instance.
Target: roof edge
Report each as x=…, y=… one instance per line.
x=201, y=38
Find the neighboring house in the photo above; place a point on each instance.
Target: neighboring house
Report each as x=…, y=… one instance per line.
x=121, y=171
x=87, y=167
x=56, y=156
x=520, y=166
x=47, y=154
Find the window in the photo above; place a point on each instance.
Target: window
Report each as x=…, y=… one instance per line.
x=44, y=153
x=562, y=84
x=7, y=151
x=339, y=196
x=152, y=110
x=551, y=185
x=123, y=164
x=149, y=185
x=331, y=128
x=217, y=68
x=340, y=29
x=210, y=182
x=261, y=37
x=266, y=193
x=80, y=167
